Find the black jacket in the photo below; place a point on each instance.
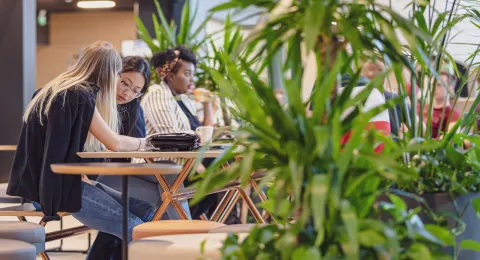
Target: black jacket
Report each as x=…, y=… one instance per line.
x=58, y=140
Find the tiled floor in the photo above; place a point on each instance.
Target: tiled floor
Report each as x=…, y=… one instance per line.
x=79, y=242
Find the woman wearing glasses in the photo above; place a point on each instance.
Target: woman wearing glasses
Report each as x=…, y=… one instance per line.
x=75, y=112
x=132, y=83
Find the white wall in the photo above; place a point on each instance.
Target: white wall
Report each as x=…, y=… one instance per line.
x=465, y=33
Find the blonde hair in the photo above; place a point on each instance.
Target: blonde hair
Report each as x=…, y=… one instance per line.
x=97, y=65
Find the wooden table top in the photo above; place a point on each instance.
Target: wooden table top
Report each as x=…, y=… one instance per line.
x=116, y=168
x=8, y=147
x=152, y=155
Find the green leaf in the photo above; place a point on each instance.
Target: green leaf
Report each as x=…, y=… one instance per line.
x=313, y=21
x=419, y=252
x=438, y=22
x=476, y=206
x=302, y=253
x=170, y=35
x=370, y=238
x=442, y=234
x=143, y=33
x=398, y=202
x=349, y=218
x=201, y=27
x=470, y=245
x=421, y=21
x=185, y=25
x=319, y=195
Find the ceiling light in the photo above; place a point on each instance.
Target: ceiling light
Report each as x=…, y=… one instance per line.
x=95, y=4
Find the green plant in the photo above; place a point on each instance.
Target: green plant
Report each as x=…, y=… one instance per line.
x=448, y=168
x=169, y=35
x=333, y=185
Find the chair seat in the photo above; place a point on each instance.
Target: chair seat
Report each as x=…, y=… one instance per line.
x=4, y=198
x=179, y=247
x=16, y=250
x=31, y=233
x=237, y=228
x=25, y=210
x=173, y=227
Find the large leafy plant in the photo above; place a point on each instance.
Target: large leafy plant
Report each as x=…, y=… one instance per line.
x=449, y=168
x=169, y=35
x=328, y=188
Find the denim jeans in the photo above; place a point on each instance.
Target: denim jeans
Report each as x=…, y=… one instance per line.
x=102, y=210
x=146, y=188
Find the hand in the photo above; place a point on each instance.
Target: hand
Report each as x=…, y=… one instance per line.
x=86, y=179
x=203, y=95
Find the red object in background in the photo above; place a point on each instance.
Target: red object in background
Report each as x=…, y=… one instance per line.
x=409, y=89
x=437, y=118
x=381, y=126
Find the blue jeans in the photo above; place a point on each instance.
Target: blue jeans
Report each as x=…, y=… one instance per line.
x=146, y=188
x=102, y=210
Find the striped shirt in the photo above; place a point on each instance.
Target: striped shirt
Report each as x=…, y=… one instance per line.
x=163, y=115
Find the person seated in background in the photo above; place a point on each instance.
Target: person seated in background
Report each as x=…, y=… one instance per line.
x=132, y=83
x=444, y=116
x=380, y=122
x=75, y=112
x=398, y=119
x=166, y=108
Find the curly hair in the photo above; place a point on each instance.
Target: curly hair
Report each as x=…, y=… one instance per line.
x=168, y=60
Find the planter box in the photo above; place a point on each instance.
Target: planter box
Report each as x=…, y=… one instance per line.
x=443, y=202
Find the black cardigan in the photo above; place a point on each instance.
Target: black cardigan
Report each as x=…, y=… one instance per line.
x=58, y=140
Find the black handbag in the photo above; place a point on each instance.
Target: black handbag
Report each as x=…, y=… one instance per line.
x=172, y=142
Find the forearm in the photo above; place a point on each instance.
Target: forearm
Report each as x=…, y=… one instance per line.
x=208, y=116
x=130, y=144
x=112, y=140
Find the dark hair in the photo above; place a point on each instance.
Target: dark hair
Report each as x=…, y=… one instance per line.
x=185, y=54
x=140, y=65
x=131, y=112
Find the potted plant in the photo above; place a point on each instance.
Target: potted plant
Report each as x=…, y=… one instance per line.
x=448, y=174
x=169, y=35
x=329, y=189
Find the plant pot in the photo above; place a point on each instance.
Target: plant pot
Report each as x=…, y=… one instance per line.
x=462, y=207
x=456, y=205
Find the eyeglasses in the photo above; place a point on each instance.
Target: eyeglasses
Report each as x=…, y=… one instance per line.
x=126, y=87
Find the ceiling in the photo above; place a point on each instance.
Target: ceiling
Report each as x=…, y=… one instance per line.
x=63, y=6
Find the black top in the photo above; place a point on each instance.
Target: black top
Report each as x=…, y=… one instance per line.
x=132, y=123
x=194, y=122
x=132, y=119
x=58, y=140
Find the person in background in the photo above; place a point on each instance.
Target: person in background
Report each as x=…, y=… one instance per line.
x=380, y=122
x=165, y=106
x=398, y=120
x=75, y=112
x=444, y=116
x=133, y=82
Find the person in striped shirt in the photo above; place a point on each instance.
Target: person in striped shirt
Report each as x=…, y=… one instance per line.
x=166, y=107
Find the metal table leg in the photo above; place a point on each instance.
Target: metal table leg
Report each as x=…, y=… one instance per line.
x=125, y=217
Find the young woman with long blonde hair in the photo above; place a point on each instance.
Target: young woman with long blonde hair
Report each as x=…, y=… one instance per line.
x=76, y=111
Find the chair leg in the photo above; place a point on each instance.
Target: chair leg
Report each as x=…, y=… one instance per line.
x=44, y=256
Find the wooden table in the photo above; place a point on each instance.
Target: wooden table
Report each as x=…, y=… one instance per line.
x=181, y=247
x=122, y=169
x=8, y=147
x=171, y=194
